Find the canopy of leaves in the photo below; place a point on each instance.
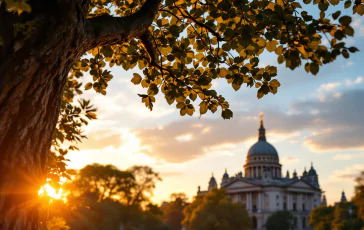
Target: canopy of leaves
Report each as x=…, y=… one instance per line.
x=281, y=220
x=215, y=211
x=193, y=42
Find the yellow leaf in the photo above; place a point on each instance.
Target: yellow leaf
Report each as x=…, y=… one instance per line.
x=223, y=72
x=261, y=42
x=270, y=6
x=271, y=45
x=279, y=50
x=360, y=9
x=279, y=2
x=303, y=51
x=136, y=79
x=199, y=56
x=274, y=83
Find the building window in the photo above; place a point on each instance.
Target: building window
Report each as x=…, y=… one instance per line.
x=277, y=197
x=303, y=207
x=294, y=207
x=284, y=206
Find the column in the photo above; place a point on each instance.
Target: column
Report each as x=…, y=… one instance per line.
x=249, y=201
x=260, y=206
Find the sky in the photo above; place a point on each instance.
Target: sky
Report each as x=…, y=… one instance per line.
x=312, y=119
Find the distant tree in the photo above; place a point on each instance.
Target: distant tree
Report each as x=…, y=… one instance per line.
x=104, y=197
x=173, y=211
x=281, y=220
x=104, y=181
x=215, y=211
x=322, y=217
x=359, y=195
x=145, y=181
x=345, y=219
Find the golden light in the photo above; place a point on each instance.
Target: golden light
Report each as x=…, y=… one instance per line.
x=48, y=191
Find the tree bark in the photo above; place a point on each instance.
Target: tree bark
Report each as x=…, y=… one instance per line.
x=33, y=72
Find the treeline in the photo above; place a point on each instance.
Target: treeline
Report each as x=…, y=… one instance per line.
x=344, y=215
x=102, y=197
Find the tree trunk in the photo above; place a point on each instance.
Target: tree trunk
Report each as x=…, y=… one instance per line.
x=31, y=86
x=33, y=72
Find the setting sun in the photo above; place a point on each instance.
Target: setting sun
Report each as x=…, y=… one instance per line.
x=48, y=190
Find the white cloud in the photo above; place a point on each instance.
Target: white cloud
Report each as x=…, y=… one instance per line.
x=358, y=80
x=358, y=25
x=329, y=86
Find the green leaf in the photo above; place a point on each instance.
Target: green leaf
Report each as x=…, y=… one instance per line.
x=136, y=79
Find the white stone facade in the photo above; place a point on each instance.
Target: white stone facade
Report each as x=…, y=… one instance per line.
x=263, y=190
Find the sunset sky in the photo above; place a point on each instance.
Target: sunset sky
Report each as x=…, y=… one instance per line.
x=315, y=119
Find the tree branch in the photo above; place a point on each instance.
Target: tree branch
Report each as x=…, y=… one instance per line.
x=107, y=30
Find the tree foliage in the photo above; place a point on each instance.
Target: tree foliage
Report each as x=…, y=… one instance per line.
x=104, y=197
x=281, y=220
x=359, y=195
x=342, y=216
x=321, y=218
x=104, y=181
x=215, y=211
x=173, y=211
x=345, y=217
x=193, y=42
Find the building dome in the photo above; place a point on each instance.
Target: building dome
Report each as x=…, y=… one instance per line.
x=262, y=148
x=226, y=175
x=312, y=171
x=212, y=180
x=262, y=156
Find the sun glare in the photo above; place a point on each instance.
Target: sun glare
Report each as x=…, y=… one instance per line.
x=48, y=191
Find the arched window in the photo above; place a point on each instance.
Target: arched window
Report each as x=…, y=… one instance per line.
x=254, y=223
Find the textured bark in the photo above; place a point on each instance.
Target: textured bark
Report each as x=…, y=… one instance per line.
x=33, y=71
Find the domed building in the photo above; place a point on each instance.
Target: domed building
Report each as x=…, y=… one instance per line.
x=263, y=190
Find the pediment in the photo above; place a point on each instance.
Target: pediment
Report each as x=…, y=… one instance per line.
x=239, y=184
x=301, y=184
